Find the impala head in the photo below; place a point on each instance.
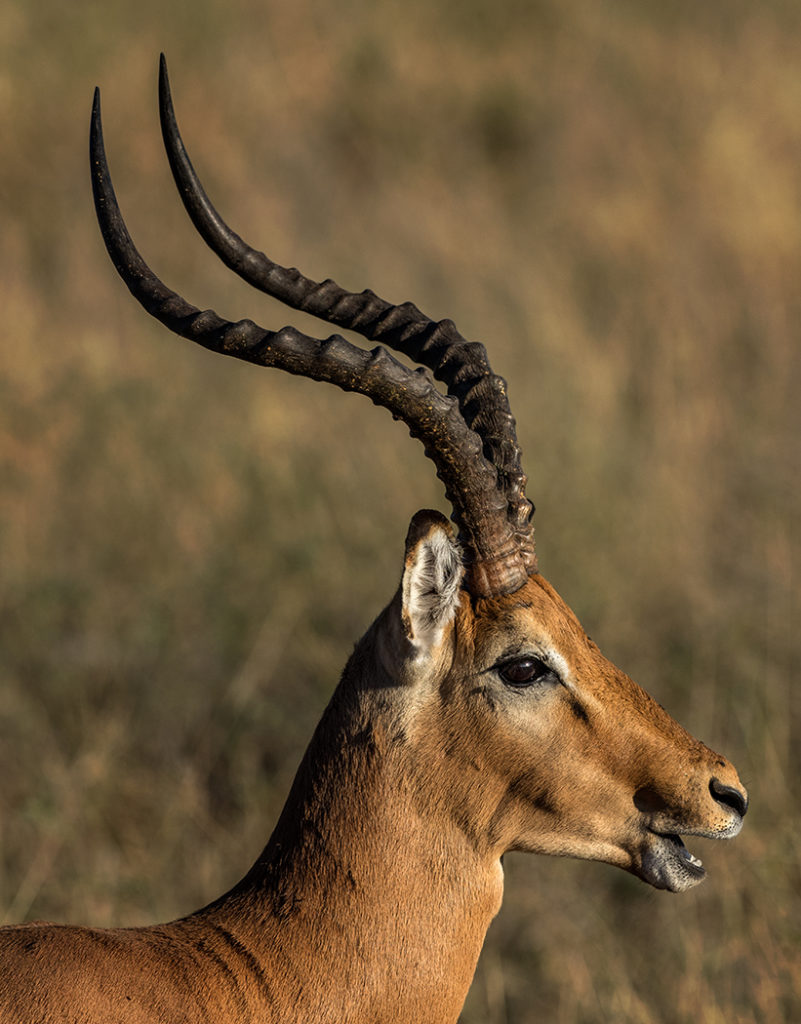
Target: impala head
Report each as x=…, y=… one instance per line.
x=546, y=745
x=535, y=740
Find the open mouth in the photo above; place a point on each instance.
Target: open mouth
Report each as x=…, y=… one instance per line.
x=668, y=864
x=688, y=860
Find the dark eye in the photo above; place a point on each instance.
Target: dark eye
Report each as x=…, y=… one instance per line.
x=523, y=671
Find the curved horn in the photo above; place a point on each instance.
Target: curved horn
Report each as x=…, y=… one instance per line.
x=495, y=563
x=462, y=366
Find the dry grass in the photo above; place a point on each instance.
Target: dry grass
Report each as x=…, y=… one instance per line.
x=610, y=196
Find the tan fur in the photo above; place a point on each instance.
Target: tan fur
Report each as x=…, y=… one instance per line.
x=372, y=898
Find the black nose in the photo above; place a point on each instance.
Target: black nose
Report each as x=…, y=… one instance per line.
x=730, y=796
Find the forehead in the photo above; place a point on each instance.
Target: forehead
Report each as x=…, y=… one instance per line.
x=534, y=615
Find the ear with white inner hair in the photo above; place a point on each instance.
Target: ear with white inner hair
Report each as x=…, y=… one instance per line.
x=432, y=576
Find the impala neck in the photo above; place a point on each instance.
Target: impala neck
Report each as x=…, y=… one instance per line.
x=364, y=877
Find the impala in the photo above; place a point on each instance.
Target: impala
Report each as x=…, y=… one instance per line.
x=474, y=717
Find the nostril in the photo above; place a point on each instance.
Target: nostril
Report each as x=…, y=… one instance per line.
x=730, y=796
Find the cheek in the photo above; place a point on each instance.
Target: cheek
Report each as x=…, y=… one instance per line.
x=542, y=716
x=524, y=736
x=549, y=752
x=557, y=801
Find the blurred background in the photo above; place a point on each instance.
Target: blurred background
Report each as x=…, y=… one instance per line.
x=608, y=195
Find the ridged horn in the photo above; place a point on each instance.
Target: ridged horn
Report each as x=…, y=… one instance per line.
x=463, y=432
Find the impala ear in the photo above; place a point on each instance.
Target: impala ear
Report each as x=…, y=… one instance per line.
x=432, y=576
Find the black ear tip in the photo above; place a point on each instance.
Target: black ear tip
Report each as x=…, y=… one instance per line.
x=422, y=523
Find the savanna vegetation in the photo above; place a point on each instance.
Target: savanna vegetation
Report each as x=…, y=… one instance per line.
x=609, y=195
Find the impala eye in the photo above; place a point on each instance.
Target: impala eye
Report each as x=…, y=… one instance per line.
x=524, y=671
